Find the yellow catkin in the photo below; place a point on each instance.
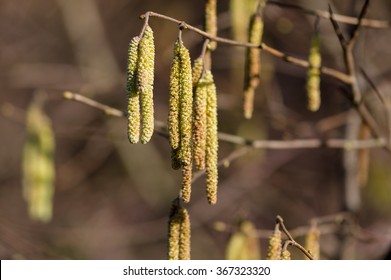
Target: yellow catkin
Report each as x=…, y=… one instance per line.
x=38, y=164
x=145, y=77
x=211, y=21
x=286, y=255
x=253, y=64
x=313, y=75
x=133, y=110
x=275, y=245
x=196, y=71
x=179, y=233
x=173, y=115
x=186, y=182
x=175, y=160
x=312, y=243
x=199, y=128
x=186, y=106
x=211, y=150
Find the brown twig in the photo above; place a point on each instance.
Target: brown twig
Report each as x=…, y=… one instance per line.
x=161, y=129
x=339, y=18
x=296, y=61
x=293, y=242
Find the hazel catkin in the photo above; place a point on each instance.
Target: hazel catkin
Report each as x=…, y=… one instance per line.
x=178, y=233
x=313, y=75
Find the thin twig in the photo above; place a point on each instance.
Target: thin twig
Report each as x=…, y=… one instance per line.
x=339, y=18
x=296, y=61
x=280, y=221
x=161, y=129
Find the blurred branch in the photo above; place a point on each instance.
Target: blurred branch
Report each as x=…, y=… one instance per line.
x=339, y=18
x=161, y=129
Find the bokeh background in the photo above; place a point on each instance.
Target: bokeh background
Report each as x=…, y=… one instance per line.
x=112, y=198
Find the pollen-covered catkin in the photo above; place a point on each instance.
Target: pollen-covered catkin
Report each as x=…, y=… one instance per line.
x=286, y=255
x=211, y=150
x=133, y=110
x=313, y=75
x=175, y=92
x=275, y=245
x=253, y=64
x=145, y=77
x=186, y=106
x=178, y=233
x=312, y=242
x=198, y=67
x=199, y=128
x=186, y=182
x=211, y=21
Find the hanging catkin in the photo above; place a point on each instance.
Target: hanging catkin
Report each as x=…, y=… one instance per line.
x=38, y=164
x=178, y=233
x=175, y=92
x=275, y=245
x=186, y=106
x=187, y=174
x=139, y=87
x=312, y=242
x=313, y=75
x=211, y=149
x=132, y=94
x=211, y=21
x=145, y=76
x=199, y=128
x=253, y=64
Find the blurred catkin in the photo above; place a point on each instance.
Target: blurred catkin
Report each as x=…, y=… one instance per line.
x=38, y=164
x=275, y=245
x=145, y=77
x=253, y=64
x=211, y=150
x=312, y=242
x=178, y=233
x=313, y=74
x=211, y=21
x=133, y=111
x=243, y=244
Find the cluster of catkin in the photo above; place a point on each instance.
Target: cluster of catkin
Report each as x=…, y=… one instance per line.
x=139, y=87
x=192, y=122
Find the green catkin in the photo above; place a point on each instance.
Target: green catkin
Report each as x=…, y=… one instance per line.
x=133, y=111
x=253, y=64
x=312, y=242
x=211, y=150
x=313, y=75
x=196, y=71
x=275, y=245
x=186, y=106
x=211, y=21
x=145, y=77
x=173, y=115
x=179, y=233
x=38, y=164
x=199, y=128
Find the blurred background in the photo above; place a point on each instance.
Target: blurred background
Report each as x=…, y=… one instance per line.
x=112, y=199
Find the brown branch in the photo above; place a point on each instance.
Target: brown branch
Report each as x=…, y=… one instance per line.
x=339, y=18
x=161, y=129
x=293, y=242
x=296, y=61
